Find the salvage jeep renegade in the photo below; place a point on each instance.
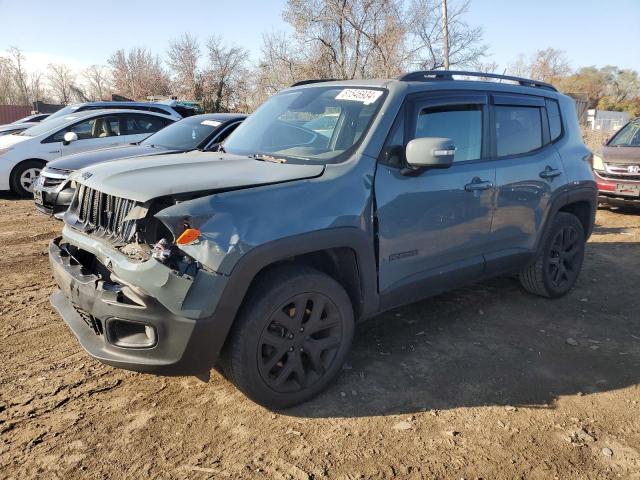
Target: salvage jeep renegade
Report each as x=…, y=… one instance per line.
x=333, y=202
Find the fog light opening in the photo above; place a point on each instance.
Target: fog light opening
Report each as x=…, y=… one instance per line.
x=123, y=333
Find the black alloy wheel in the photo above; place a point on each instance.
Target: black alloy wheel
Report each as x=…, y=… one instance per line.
x=299, y=343
x=566, y=249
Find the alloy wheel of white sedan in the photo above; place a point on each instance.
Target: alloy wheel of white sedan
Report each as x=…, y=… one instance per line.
x=28, y=177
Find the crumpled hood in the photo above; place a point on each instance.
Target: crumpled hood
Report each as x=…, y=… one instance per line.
x=145, y=178
x=10, y=140
x=621, y=154
x=84, y=159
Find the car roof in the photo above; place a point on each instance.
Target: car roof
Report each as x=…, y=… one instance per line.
x=221, y=117
x=105, y=111
x=122, y=102
x=16, y=126
x=426, y=85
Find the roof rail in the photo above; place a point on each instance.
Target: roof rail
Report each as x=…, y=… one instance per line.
x=315, y=80
x=427, y=75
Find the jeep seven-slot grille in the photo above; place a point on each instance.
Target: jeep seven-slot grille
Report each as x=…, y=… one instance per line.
x=105, y=215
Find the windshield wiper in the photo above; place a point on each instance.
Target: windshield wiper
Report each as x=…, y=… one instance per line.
x=263, y=157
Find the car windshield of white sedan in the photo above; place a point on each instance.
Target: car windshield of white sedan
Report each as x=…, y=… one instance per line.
x=317, y=124
x=49, y=125
x=63, y=111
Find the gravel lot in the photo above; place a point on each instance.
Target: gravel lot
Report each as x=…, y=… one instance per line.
x=483, y=382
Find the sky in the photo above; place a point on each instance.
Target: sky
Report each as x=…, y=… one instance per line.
x=590, y=32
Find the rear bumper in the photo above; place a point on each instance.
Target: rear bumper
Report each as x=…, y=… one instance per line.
x=95, y=306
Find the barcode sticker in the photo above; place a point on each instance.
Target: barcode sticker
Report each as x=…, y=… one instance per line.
x=359, y=95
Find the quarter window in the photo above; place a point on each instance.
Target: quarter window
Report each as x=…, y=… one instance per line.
x=460, y=123
x=139, y=124
x=393, y=150
x=555, y=122
x=518, y=130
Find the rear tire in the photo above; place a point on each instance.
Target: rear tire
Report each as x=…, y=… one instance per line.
x=290, y=338
x=559, y=261
x=23, y=176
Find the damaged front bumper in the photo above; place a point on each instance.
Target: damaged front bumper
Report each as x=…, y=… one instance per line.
x=139, y=316
x=52, y=194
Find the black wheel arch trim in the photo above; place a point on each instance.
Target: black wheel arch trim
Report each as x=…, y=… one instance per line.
x=261, y=257
x=582, y=193
x=15, y=167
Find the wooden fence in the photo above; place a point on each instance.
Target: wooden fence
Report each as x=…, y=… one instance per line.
x=11, y=113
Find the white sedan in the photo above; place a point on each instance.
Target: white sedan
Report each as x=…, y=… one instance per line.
x=23, y=155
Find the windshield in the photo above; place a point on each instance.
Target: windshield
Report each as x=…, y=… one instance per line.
x=62, y=112
x=322, y=124
x=49, y=124
x=629, y=136
x=186, y=134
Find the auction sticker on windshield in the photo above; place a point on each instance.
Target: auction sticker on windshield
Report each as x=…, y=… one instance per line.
x=359, y=95
x=211, y=123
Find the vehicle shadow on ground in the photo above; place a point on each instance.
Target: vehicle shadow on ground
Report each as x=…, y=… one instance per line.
x=495, y=344
x=624, y=210
x=8, y=195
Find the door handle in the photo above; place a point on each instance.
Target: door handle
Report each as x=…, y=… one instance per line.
x=477, y=184
x=549, y=172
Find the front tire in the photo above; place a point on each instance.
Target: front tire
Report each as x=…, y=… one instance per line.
x=559, y=261
x=291, y=337
x=23, y=176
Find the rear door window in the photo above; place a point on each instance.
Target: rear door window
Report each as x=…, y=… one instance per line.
x=518, y=129
x=143, y=124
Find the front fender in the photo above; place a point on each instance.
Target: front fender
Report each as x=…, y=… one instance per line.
x=235, y=222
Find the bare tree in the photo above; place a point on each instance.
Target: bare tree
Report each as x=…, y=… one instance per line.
x=465, y=42
x=549, y=64
x=61, y=82
x=183, y=56
x=19, y=74
x=138, y=74
x=28, y=86
x=225, y=76
x=349, y=38
x=279, y=65
x=8, y=92
x=623, y=84
x=97, y=81
x=520, y=67
x=37, y=87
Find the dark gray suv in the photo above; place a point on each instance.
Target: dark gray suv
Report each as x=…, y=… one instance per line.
x=333, y=202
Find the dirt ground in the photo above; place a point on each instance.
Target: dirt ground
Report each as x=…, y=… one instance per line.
x=483, y=382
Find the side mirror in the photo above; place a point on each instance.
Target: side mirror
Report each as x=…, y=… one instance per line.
x=69, y=137
x=430, y=152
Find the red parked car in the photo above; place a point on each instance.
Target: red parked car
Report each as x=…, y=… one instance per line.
x=617, y=167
